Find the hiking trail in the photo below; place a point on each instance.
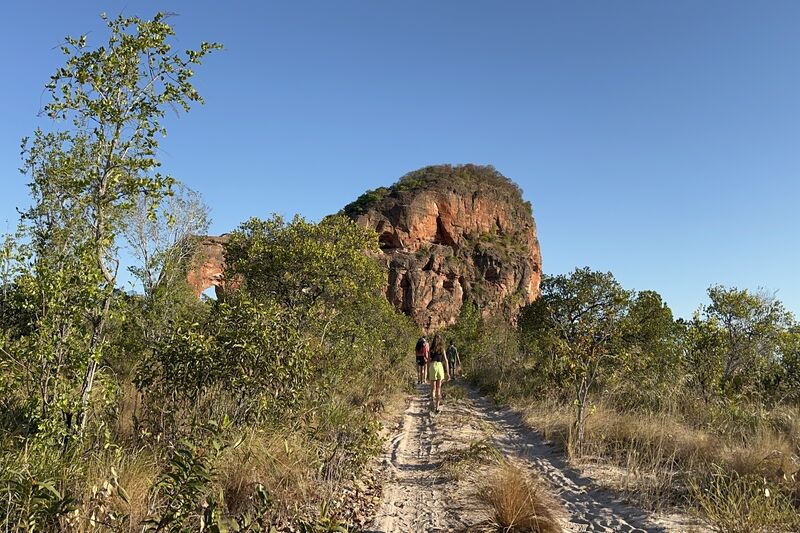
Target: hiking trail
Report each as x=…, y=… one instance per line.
x=418, y=496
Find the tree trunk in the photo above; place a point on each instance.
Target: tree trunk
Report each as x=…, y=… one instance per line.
x=91, y=368
x=580, y=423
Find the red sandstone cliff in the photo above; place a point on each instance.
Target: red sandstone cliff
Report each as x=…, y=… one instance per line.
x=448, y=235
x=452, y=234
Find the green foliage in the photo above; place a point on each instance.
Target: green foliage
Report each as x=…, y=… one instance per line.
x=736, y=347
x=32, y=505
x=653, y=371
x=162, y=236
x=666, y=408
x=752, y=326
x=365, y=201
x=704, y=345
x=306, y=343
x=299, y=263
x=84, y=180
x=790, y=361
x=455, y=176
x=252, y=354
x=466, y=331
x=577, y=324
x=93, y=380
x=183, y=489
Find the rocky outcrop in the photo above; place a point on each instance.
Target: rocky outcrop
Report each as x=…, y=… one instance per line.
x=208, y=265
x=450, y=235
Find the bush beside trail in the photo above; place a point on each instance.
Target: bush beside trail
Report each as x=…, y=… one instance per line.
x=291, y=383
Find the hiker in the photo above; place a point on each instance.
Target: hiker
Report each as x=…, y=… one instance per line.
x=439, y=370
x=423, y=356
x=453, y=359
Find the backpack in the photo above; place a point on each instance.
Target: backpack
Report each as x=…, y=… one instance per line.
x=420, y=346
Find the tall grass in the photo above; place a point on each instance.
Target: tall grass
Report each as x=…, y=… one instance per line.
x=284, y=473
x=735, y=503
x=671, y=456
x=660, y=454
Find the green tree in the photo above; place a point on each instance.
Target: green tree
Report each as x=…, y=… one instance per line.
x=308, y=309
x=790, y=361
x=579, y=322
x=248, y=358
x=86, y=177
x=162, y=235
x=300, y=263
x=752, y=325
x=322, y=272
x=466, y=331
x=652, y=339
x=704, y=346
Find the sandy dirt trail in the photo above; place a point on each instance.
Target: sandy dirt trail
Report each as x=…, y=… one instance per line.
x=417, y=497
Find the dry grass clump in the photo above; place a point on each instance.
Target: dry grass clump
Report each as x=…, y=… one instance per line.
x=136, y=475
x=457, y=462
x=276, y=461
x=280, y=463
x=119, y=487
x=609, y=432
x=613, y=434
x=517, y=503
x=454, y=392
x=734, y=503
x=553, y=420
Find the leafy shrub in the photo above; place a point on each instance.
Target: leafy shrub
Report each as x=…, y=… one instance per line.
x=365, y=201
x=248, y=358
x=32, y=505
x=443, y=177
x=183, y=490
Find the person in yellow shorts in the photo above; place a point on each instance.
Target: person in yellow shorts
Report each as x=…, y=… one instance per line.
x=438, y=370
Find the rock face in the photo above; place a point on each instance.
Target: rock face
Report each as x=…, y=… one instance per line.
x=453, y=234
x=208, y=265
x=448, y=235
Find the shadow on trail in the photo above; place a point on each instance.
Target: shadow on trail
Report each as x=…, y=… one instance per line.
x=593, y=507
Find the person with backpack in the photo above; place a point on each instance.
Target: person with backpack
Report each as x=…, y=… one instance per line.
x=453, y=359
x=439, y=371
x=423, y=356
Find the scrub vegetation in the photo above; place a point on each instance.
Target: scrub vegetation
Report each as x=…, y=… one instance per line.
x=700, y=413
x=441, y=178
x=151, y=410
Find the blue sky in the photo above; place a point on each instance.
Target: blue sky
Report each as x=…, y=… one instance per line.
x=657, y=140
